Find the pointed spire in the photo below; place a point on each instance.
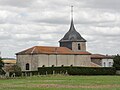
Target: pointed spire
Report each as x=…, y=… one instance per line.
x=71, y=12
x=72, y=34
x=72, y=24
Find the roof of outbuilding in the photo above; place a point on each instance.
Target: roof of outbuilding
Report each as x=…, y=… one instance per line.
x=72, y=35
x=9, y=61
x=50, y=50
x=100, y=56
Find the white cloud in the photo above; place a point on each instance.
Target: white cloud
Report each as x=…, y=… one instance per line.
x=25, y=23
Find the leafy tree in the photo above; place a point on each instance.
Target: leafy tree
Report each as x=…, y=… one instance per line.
x=16, y=69
x=116, y=60
x=1, y=63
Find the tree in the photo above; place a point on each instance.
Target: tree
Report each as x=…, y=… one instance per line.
x=15, y=69
x=116, y=63
x=1, y=63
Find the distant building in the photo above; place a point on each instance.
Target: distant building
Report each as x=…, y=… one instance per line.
x=102, y=60
x=9, y=60
x=8, y=63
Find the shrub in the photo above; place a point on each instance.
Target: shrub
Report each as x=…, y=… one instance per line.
x=78, y=70
x=116, y=63
x=2, y=72
x=15, y=69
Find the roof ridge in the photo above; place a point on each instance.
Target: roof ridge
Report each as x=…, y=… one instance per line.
x=33, y=49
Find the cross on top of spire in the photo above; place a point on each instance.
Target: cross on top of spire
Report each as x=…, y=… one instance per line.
x=71, y=12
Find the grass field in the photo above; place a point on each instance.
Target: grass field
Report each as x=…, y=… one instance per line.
x=61, y=82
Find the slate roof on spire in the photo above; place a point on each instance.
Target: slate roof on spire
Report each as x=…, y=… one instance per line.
x=72, y=35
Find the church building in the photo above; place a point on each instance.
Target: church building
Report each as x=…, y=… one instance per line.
x=71, y=52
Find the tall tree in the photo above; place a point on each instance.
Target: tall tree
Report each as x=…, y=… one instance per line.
x=116, y=63
x=1, y=63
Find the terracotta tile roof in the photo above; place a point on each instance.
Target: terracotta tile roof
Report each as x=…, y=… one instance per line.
x=100, y=56
x=50, y=50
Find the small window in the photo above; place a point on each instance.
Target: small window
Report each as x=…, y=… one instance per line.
x=79, y=47
x=27, y=66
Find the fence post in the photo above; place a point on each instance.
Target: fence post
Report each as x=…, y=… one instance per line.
x=46, y=73
x=53, y=72
x=66, y=72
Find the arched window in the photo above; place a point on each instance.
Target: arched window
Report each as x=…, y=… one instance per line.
x=27, y=66
x=79, y=47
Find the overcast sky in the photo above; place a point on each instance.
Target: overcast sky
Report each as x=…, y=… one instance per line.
x=27, y=23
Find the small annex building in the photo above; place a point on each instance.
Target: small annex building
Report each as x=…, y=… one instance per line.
x=102, y=60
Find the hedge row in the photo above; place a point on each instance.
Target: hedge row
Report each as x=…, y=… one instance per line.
x=117, y=68
x=17, y=74
x=77, y=70
x=30, y=73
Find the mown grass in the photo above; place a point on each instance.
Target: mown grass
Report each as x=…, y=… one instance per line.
x=61, y=82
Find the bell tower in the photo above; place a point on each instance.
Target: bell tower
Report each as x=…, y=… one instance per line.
x=72, y=39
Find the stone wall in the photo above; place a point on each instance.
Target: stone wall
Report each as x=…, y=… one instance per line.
x=97, y=61
x=82, y=46
x=36, y=61
x=22, y=60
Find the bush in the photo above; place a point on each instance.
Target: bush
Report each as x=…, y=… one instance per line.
x=15, y=69
x=1, y=63
x=116, y=63
x=2, y=72
x=78, y=70
x=28, y=73
x=92, y=71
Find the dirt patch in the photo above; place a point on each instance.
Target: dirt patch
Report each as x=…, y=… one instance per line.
x=74, y=86
x=58, y=86
x=53, y=81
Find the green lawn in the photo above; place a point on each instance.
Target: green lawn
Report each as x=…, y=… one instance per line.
x=61, y=82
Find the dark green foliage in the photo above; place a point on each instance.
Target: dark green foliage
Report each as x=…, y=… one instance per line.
x=92, y=71
x=116, y=63
x=29, y=73
x=2, y=72
x=1, y=63
x=16, y=70
x=77, y=70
